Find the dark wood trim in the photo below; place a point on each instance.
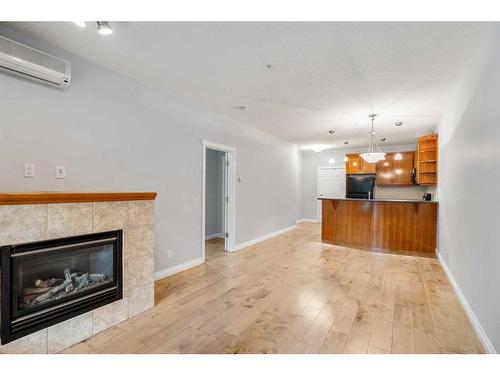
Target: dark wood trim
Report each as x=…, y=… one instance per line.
x=72, y=197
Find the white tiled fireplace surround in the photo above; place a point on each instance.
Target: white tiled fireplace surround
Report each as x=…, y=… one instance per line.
x=32, y=222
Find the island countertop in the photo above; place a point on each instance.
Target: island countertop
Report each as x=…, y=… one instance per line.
x=382, y=200
x=380, y=224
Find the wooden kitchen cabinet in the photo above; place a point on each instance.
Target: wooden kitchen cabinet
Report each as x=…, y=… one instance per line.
x=356, y=165
x=353, y=164
x=395, y=172
x=368, y=167
x=427, y=160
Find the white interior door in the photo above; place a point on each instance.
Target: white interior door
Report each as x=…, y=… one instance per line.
x=338, y=183
x=325, y=183
x=331, y=184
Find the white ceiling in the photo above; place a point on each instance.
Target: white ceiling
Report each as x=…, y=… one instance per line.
x=323, y=75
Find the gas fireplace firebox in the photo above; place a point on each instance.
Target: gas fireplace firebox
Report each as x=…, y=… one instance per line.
x=47, y=282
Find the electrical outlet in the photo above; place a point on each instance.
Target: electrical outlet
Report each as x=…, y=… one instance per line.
x=60, y=171
x=169, y=253
x=29, y=170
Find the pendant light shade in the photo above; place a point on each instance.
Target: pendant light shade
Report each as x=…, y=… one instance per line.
x=372, y=156
x=332, y=159
x=398, y=155
x=346, y=159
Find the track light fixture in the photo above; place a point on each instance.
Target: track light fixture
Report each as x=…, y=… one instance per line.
x=346, y=159
x=332, y=159
x=104, y=28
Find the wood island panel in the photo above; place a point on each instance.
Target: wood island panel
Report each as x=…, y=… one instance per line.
x=398, y=226
x=354, y=214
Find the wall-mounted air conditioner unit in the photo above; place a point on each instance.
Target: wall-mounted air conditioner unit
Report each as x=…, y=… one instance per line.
x=29, y=63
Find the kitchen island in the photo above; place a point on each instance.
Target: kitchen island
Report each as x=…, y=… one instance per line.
x=380, y=224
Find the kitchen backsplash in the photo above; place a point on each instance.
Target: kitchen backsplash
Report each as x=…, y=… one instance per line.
x=400, y=192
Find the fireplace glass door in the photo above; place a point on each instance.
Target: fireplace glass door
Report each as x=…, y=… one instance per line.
x=46, y=282
x=55, y=274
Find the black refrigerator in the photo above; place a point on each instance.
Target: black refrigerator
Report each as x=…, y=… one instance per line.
x=360, y=186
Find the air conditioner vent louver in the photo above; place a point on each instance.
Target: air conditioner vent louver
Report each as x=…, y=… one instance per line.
x=33, y=64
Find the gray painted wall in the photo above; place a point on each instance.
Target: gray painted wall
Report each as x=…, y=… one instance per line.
x=469, y=184
x=213, y=193
x=310, y=162
x=114, y=134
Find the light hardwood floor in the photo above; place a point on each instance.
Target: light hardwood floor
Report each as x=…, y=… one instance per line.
x=294, y=294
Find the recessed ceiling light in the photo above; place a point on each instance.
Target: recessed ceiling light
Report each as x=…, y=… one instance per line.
x=269, y=66
x=240, y=107
x=103, y=28
x=80, y=23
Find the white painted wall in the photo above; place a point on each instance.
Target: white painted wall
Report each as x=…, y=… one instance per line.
x=213, y=193
x=114, y=134
x=310, y=161
x=469, y=185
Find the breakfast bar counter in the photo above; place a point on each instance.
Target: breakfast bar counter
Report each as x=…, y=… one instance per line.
x=380, y=224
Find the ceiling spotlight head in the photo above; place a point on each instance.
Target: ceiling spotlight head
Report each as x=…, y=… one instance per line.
x=346, y=142
x=269, y=66
x=399, y=123
x=104, y=28
x=80, y=23
x=383, y=139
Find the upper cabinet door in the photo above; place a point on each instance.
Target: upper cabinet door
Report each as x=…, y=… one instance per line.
x=353, y=164
x=395, y=172
x=403, y=169
x=368, y=167
x=385, y=171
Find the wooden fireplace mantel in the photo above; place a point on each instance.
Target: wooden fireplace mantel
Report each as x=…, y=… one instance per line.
x=44, y=197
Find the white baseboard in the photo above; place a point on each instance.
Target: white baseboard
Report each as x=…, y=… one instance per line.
x=214, y=235
x=307, y=221
x=178, y=268
x=262, y=238
x=488, y=346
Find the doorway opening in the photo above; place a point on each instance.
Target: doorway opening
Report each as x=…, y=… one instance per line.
x=217, y=200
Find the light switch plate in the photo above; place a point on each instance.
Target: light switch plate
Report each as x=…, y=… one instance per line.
x=60, y=171
x=29, y=170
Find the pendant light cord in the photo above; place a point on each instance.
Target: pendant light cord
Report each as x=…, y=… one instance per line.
x=372, y=137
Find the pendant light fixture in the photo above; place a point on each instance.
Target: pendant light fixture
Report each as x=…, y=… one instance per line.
x=346, y=159
x=372, y=156
x=332, y=159
x=398, y=155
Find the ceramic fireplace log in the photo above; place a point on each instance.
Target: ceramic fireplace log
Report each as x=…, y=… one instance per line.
x=97, y=277
x=46, y=283
x=35, y=291
x=82, y=281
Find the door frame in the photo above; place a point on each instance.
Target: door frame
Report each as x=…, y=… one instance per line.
x=318, y=207
x=231, y=157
